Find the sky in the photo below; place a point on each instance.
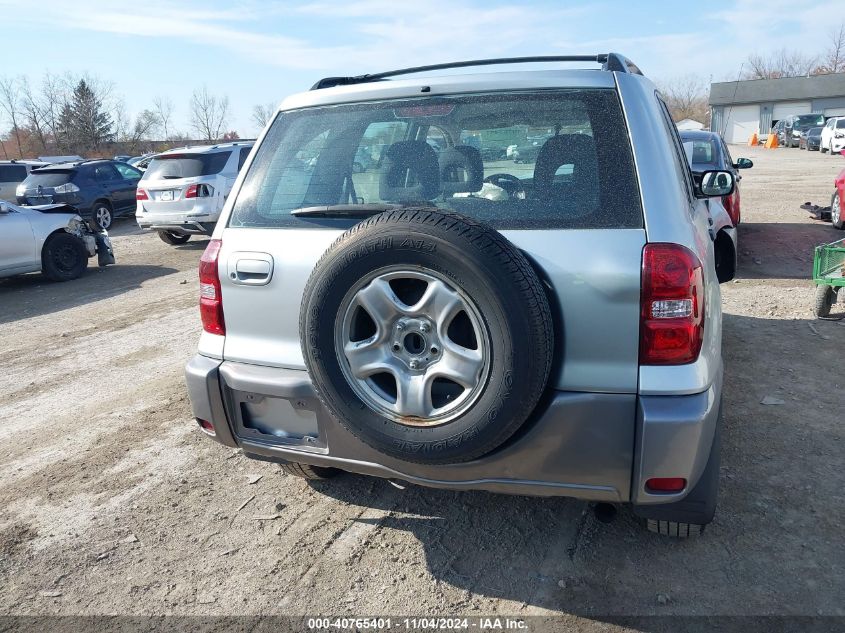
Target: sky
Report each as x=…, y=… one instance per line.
x=259, y=51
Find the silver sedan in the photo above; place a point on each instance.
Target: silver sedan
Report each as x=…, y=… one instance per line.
x=50, y=238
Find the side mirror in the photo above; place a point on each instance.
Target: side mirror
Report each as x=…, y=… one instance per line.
x=744, y=163
x=715, y=184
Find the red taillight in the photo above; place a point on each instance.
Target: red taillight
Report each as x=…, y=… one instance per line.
x=211, y=299
x=199, y=191
x=672, y=306
x=731, y=204
x=666, y=484
x=140, y=194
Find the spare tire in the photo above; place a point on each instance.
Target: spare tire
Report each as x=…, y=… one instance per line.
x=427, y=335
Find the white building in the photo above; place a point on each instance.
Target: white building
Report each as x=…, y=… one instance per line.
x=741, y=108
x=689, y=124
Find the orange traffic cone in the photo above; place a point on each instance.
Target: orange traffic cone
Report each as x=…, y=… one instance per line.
x=771, y=141
x=753, y=140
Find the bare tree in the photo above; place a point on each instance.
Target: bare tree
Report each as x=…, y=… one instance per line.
x=121, y=121
x=833, y=58
x=782, y=63
x=53, y=98
x=261, y=114
x=687, y=98
x=10, y=103
x=145, y=124
x=163, y=109
x=209, y=114
x=33, y=112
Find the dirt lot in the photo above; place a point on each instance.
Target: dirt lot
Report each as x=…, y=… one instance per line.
x=112, y=502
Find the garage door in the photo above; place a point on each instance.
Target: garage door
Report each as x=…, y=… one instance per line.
x=740, y=123
x=783, y=110
x=829, y=112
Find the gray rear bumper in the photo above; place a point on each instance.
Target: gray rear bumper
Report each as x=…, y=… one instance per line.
x=583, y=445
x=183, y=228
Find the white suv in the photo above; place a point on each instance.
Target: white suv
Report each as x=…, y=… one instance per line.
x=183, y=190
x=833, y=135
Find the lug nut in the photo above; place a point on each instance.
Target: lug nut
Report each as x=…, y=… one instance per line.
x=413, y=364
x=400, y=326
x=424, y=327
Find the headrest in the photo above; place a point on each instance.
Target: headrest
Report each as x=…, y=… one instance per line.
x=700, y=154
x=461, y=170
x=409, y=173
x=565, y=149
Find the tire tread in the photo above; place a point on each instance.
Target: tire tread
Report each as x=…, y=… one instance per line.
x=307, y=471
x=674, y=529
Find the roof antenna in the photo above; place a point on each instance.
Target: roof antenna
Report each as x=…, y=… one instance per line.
x=730, y=108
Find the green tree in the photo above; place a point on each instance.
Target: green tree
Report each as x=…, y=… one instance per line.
x=84, y=124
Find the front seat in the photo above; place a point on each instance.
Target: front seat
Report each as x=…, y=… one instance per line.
x=461, y=170
x=580, y=191
x=410, y=173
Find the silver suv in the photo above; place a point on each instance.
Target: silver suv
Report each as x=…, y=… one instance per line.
x=389, y=293
x=183, y=190
x=12, y=174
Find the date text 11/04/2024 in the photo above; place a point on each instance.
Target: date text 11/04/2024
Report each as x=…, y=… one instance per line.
x=418, y=624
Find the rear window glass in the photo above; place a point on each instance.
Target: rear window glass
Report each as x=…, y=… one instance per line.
x=701, y=152
x=51, y=178
x=12, y=173
x=186, y=165
x=809, y=120
x=556, y=159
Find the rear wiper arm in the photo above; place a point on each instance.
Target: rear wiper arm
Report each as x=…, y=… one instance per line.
x=343, y=210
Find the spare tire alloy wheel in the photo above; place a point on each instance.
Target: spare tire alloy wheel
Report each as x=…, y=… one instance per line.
x=427, y=335
x=412, y=344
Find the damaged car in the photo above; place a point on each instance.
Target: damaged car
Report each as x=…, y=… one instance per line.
x=52, y=239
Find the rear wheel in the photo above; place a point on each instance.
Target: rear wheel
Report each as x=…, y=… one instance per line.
x=306, y=471
x=836, y=212
x=101, y=215
x=64, y=257
x=825, y=297
x=172, y=238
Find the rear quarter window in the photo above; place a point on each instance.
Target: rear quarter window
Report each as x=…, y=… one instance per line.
x=517, y=160
x=12, y=173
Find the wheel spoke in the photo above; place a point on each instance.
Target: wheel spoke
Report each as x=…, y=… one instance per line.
x=440, y=303
x=414, y=396
x=459, y=364
x=380, y=302
x=367, y=358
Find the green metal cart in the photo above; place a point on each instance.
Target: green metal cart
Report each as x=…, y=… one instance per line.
x=829, y=275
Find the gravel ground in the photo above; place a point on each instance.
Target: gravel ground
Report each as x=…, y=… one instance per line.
x=111, y=501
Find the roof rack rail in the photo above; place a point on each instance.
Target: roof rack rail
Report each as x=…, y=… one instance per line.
x=613, y=62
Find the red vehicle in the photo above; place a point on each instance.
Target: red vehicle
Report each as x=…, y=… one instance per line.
x=837, y=202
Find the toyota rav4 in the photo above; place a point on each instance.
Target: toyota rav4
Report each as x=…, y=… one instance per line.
x=455, y=319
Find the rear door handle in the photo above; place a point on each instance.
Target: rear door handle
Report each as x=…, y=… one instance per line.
x=250, y=269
